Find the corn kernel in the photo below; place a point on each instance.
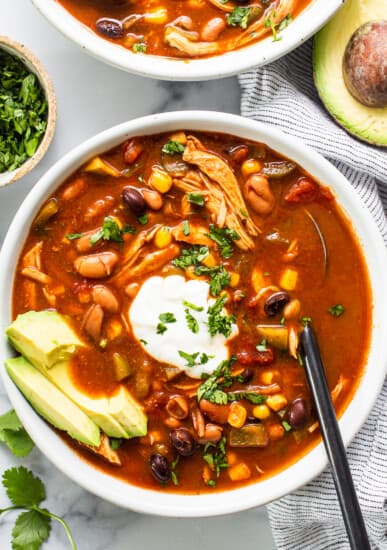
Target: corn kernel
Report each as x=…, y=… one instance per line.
x=267, y=377
x=239, y=472
x=180, y=137
x=209, y=261
x=289, y=279
x=276, y=402
x=163, y=237
x=261, y=412
x=251, y=166
x=275, y=431
x=100, y=167
x=113, y=329
x=237, y=415
x=234, y=279
x=160, y=180
x=158, y=16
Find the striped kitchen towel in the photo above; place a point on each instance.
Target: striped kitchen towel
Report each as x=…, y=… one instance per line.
x=283, y=95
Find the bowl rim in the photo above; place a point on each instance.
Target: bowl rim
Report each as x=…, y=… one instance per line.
x=307, y=23
x=29, y=59
x=310, y=465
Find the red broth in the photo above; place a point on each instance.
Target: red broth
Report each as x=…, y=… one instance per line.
x=186, y=29
x=284, y=254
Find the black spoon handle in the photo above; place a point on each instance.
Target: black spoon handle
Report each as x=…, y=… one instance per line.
x=353, y=519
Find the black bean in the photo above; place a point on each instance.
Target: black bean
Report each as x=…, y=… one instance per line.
x=276, y=302
x=183, y=441
x=160, y=468
x=298, y=413
x=112, y=28
x=134, y=199
x=246, y=375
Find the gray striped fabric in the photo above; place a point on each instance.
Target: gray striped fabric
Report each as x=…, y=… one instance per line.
x=283, y=94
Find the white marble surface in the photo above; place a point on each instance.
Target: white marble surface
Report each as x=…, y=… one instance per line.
x=92, y=97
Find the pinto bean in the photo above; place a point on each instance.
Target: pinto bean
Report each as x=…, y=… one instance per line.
x=153, y=198
x=216, y=413
x=132, y=151
x=212, y=434
x=239, y=153
x=304, y=190
x=198, y=422
x=103, y=296
x=73, y=190
x=99, y=207
x=212, y=29
x=96, y=266
x=258, y=193
x=92, y=322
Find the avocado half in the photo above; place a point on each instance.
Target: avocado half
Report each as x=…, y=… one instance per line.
x=366, y=123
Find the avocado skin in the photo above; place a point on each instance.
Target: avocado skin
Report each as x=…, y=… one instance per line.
x=368, y=124
x=51, y=403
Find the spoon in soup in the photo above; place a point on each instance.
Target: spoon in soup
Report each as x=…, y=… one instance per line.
x=334, y=446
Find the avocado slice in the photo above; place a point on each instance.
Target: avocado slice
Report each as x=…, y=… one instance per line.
x=366, y=123
x=118, y=415
x=51, y=403
x=47, y=340
x=44, y=337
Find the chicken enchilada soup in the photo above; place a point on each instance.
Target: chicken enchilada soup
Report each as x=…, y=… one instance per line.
x=158, y=303
x=187, y=29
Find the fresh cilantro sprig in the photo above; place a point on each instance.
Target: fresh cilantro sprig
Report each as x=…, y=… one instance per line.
x=212, y=387
x=337, y=310
x=191, y=358
x=191, y=256
x=110, y=231
x=32, y=527
x=224, y=238
x=14, y=435
x=219, y=277
x=173, y=148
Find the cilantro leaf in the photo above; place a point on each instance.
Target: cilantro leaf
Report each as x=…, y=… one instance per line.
x=218, y=322
x=255, y=398
x=192, y=306
x=219, y=277
x=30, y=531
x=191, y=256
x=167, y=317
x=192, y=323
x=73, y=236
x=23, y=488
x=173, y=147
x=186, y=228
x=10, y=421
x=195, y=198
x=336, y=310
x=215, y=456
x=223, y=238
x=189, y=357
x=110, y=231
x=14, y=435
x=139, y=47
x=212, y=387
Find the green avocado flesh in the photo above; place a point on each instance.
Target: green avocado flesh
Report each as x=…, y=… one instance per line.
x=51, y=403
x=47, y=341
x=366, y=123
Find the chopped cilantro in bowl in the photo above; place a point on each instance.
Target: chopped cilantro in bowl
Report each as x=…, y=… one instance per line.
x=27, y=111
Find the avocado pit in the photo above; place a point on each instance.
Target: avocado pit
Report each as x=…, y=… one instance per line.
x=365, y=64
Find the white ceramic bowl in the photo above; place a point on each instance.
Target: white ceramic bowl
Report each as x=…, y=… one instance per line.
x=305, y=25
x=159, y=502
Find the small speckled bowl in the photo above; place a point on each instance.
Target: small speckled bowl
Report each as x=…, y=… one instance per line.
x=33, y=64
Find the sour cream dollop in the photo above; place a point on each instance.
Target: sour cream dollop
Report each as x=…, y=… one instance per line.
x=160, y=295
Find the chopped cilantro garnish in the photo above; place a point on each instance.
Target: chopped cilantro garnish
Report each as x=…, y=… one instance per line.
x=287, y=427
x=174, y=474
x=143, y=220
x=277, y=27
x=192, y=306
x=173, y=148
x=195, y=198
x=223, y=238
x=238, y=17
x=110, y=231
x=73, y=236
x=255, y=398
x=219, y=277
x=336, y=310
x=212, y=387
x=165, y=318
x=139, y=47
x=115, y=443
x=218, y=322
x=144, y=342
x=186, y=228
x=191, y=358
x=191, y=256
x=192, y=323
x=215, y=456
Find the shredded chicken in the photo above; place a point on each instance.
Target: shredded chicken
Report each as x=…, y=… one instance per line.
x=104, y=450
x=148, y=263
x=197, y=235
x=224, y=197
